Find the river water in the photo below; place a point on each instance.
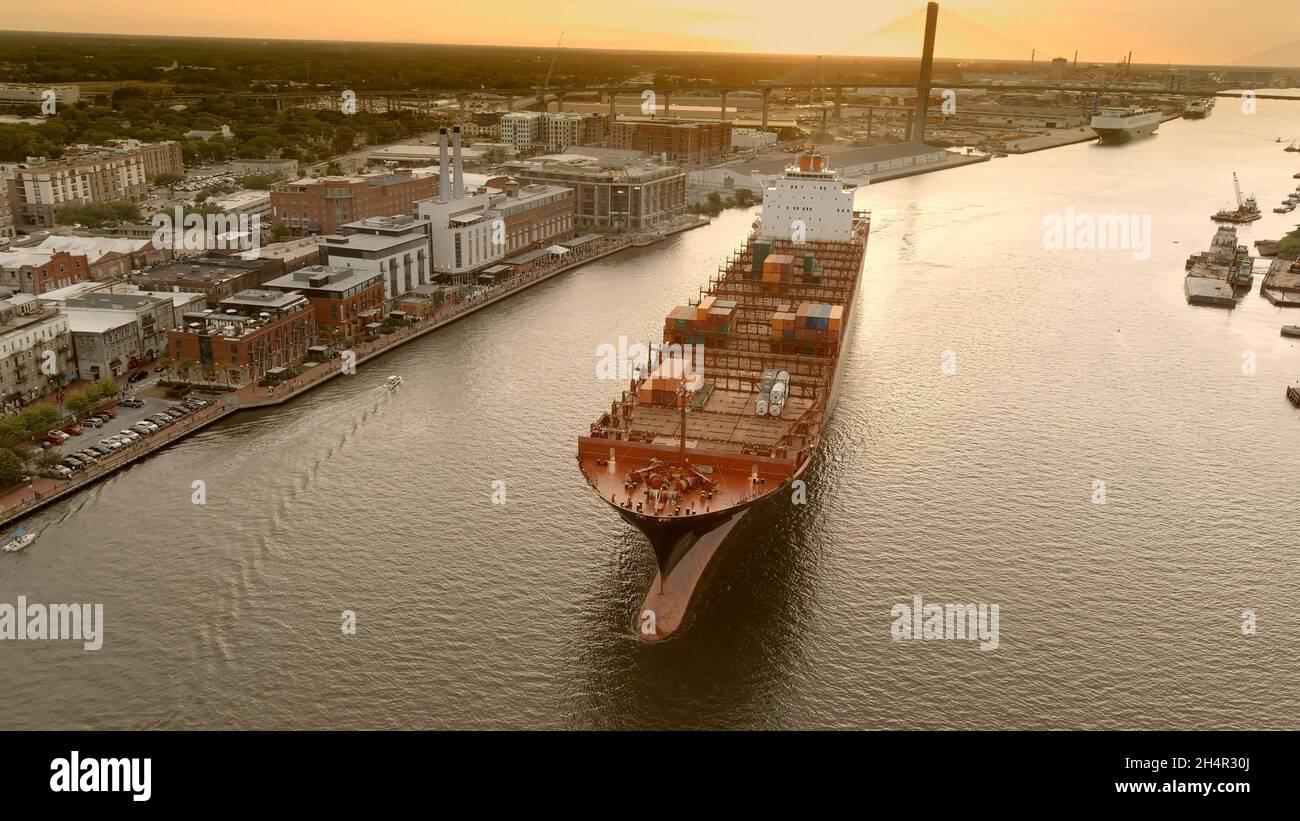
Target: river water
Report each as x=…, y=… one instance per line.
x=1071, y=367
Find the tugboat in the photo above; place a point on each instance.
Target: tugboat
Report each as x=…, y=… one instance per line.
x=19, y=541
x=1247, y=209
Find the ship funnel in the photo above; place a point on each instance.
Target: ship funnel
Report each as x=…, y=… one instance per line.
x=927, y=68
x=458, y=188
x=444, y=181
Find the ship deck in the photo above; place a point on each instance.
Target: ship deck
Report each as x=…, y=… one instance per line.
x=635, y=456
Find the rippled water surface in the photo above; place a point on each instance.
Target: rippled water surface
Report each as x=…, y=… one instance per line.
x=1072, y=367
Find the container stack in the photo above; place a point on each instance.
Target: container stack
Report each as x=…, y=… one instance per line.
x=661, y=387
x=761, y=250
x=811, y=270
x=783, y=319
x=812, y=328
x=692, y=324
x=778, y=268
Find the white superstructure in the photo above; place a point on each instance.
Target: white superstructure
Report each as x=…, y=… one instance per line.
x=808, y=202
x=1122, y=124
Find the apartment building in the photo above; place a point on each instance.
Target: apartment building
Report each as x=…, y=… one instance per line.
x=38, y=188
x=98, y=312
x=681, y=141
x=36, y=352
x=322, y=205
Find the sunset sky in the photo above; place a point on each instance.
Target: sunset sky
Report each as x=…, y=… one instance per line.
x=1182, y=31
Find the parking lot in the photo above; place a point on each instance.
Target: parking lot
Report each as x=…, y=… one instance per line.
x=126, y=417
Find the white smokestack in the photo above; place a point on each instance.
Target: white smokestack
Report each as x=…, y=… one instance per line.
x=444, y=181
x=458, y=191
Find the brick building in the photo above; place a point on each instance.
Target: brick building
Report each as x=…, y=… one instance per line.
x=344, y=300
x=38, y=188
x=322, y=205
x=684, y=141
x=252, y=333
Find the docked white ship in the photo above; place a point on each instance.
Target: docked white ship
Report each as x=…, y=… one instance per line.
x=1118, y=125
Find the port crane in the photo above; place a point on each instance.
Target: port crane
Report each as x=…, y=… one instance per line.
x=546, y=84
x=1236, y=186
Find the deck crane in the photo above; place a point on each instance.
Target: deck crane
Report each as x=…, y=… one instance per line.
x=1236, y=186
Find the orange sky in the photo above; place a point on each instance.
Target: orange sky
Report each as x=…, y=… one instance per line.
x=1158, y=31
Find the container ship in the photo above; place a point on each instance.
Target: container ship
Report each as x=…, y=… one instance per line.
x=731, y=411
x=1118, y=125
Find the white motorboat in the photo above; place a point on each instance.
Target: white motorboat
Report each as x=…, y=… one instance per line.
x=19, y=541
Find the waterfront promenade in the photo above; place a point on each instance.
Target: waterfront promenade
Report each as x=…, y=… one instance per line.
x=42, y=491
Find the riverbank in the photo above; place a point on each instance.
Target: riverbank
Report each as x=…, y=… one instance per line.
x=43, y=491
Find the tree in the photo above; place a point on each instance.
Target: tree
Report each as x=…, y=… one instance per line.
x=1289, y=247
x=99, y=214
x=12, y=431
x=78, y=402
x=11, y=469
x=47, y=459
x=168, y=180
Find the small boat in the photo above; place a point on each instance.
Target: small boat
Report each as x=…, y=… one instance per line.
x=19, y=541
x=1291, y=330
x=1285, y=209
x=392, y=382
x=1296, y=176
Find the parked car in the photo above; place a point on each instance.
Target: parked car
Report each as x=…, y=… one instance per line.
x=93, y=422
x=108, y=413
x=73, y=430
x=143, y=428
x=160, y=420
x=132, y=402
x=73, y=462
x=128, y=435
x=111, y=444
x=55, y=437
x=102, y=450
x=61, y=471
x=181, y=409
x=137, y=376
x=202, y=403
x=87, y=456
